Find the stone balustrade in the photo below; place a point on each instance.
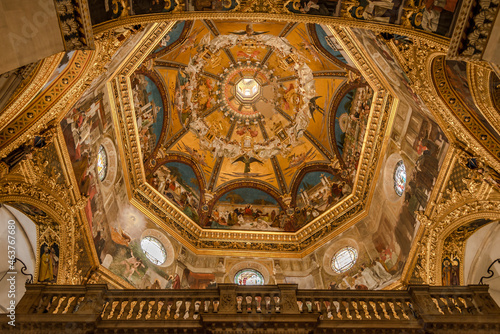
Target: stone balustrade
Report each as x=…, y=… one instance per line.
x=229, y=308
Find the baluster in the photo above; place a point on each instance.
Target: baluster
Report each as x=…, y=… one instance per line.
x=152, y=309
x=258, y=301
x=277, y=306
x=159, y=312
x=126, y=310
x=149, y=308
x=131, y=307
x=396, y=310
x=197, y=305
x=328, y=309
x=119, y=309
x=78, y=303
x=69, y=304
x=239, y=299
x=357, y=309
x=339, y=310
x=52, y=304
x=309, y=306
x=365, y=314
x=336, y=310
x=300, y=304
x=347, y=309
x=164, y=309
x=168, y=314
x=206, y=304
x=407, y=311
x=380, y=311
x=188, y=308
x=216, y=306
x=443, y=308
x=107, y=308
x=268, y=304
x=461, y=305
x=317, y=303
x=373, y=313
x=178, y=305
x=386, y=311
x=62, y=305
x=143, y=310
x=249, y=303
x=451, y=301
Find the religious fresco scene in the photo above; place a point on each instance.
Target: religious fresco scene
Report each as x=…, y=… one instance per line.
x=430, y=15
x=253, y=127
x=225, y=98
x=116, y=225
x=256, y=127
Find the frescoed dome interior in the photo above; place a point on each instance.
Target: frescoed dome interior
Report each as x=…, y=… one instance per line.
x=250, y=125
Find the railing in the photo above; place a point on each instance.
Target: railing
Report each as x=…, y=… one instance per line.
x=96, y=309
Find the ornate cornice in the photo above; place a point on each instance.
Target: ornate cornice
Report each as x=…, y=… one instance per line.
x=26, y=94
x=256, y=16
x=451, y=210
x=480, y=87
x=207, y=241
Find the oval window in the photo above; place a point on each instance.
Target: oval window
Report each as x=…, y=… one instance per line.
x=249, y=277
x=154, y=250
x=400, y=178
x=344, y=259
x=102, y=163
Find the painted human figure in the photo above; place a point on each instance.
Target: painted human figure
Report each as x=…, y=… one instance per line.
x=177, y=282
x=55, y=262
x=446, y=272
x=438, y=15
x=379, y=269
x=46, y=266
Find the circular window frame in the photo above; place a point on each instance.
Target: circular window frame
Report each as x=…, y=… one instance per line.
x=347, y=267
x=102, y=149
x=250, y=270
x=151, y=258
x=398, y=165
x=165, y=242
x=260, y=267
x=112, y=161
x=388, y=177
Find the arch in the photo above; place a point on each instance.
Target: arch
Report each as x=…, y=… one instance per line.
x=186, y=159
x=469, y=211
x=58, y=212
x=341, y=92
x=303, y=172
x=153, y=76
x=246, y=184
x=249, y=265
x=109, y=25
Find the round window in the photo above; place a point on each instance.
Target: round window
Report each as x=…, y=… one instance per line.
x=344, y=259
x=102, y=163
x=154, y=250
x=400, y=178
x=248, y=277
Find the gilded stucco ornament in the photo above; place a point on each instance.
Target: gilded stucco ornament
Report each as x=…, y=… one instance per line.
x=443, y=229
x=84, y=68
x=206, y=241
x=423, y=62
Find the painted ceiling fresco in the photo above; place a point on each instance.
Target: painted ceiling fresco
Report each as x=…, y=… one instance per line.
x=430, y=15
x=243, y=124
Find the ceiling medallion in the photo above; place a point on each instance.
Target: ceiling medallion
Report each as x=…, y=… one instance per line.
x=249, y=94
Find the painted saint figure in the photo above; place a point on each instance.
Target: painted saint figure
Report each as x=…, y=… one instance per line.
x=46, y=266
